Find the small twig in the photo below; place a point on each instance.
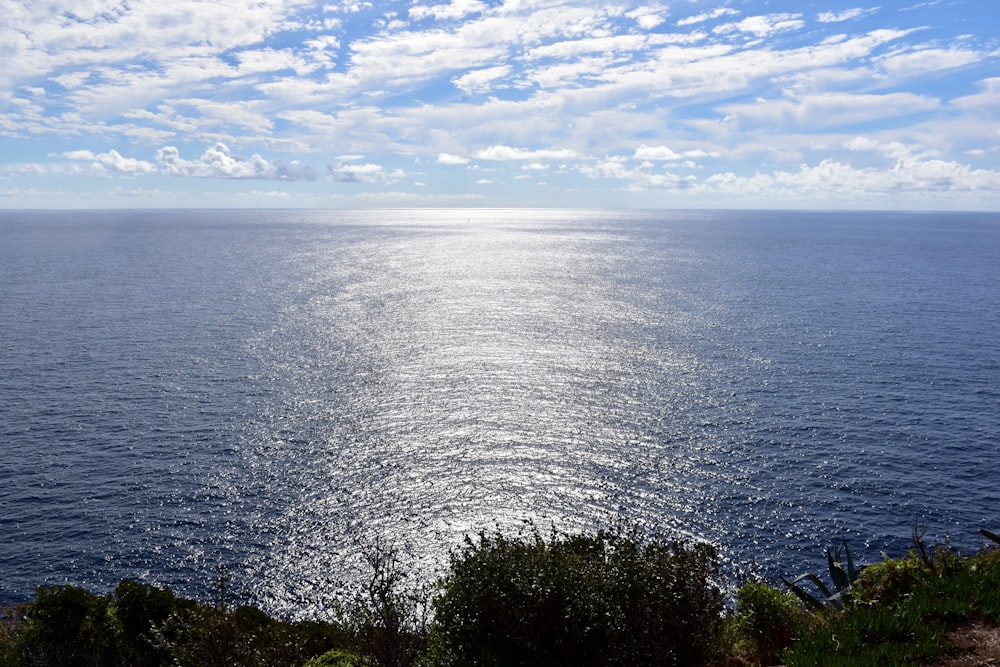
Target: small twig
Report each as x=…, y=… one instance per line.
x=920, y=546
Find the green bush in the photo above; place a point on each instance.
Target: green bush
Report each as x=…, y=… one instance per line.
x=903, y=610
x=140, y=609
x=69, y=626
x=12, y=627
x=140, y=625
x=206, y=636
x=606, y=599
x=767, y=621
x=337, y=658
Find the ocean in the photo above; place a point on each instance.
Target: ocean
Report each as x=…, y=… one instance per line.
x=270, y=391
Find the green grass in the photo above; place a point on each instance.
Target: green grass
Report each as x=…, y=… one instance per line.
x=903, y=609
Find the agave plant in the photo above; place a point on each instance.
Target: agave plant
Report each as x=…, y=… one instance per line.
x=993, y=536
x=843, y=574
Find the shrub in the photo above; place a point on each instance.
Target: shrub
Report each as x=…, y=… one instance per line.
x=337, y=658
x=606, y=599
x=843, y=574
x=388, y=617
x=768, y=620
x=69, y=625
x=139, y=609
x=12, y=627
x=890, y=581
x=206, y=636
x=140, y=625
x=904, y=609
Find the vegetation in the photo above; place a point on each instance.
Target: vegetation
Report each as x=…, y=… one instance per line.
x=139, y=624
x=611, y=598
x=905, y=608
x=606, y=599
x=843, y=574
x=765, y=622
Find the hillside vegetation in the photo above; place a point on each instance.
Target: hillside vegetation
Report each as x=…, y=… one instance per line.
x=617, y=597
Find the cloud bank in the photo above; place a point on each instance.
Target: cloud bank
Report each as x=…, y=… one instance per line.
x=566, y=103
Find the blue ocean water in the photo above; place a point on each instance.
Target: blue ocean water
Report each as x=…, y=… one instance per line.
x=269, y=390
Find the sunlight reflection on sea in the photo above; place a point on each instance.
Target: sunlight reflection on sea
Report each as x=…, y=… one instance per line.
x=269, y=391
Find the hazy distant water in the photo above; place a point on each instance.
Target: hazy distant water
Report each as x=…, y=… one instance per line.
x=264, y=389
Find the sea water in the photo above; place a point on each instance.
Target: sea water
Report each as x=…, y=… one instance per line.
x=270, y=391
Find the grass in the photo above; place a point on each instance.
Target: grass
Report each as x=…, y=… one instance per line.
x=904, y=609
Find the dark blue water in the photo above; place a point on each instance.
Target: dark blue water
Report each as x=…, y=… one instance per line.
x=268, y=390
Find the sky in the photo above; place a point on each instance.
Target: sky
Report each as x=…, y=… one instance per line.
x=484, y=103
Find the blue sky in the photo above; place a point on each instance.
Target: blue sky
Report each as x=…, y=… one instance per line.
x=288, y=103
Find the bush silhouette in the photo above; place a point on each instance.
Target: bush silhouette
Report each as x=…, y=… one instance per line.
x=615, y=598
x=70, y=626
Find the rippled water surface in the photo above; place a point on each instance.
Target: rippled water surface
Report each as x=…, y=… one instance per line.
x=266, y=390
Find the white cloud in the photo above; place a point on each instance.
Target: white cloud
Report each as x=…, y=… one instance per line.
x=257, y=61
x=846, y=15
x=401, y=58
x=708, y=16
x=112, y=161
x=892, y=149
x=458, y=83
x=349, y=172
x=763, y=26
x=500, y=152
x=988, y=99
x=639, y=179
x=645, y=152
x=448, y=158
x=648, y=17
x=454, y=10
x=246, y=114
x=917, y=62
x=481, y=80
x=828, y=109
x=218, y=162
x=834, y=179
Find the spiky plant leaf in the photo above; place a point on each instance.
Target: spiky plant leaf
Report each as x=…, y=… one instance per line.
x=840, y=580
x=802, y=594
x=993, y=536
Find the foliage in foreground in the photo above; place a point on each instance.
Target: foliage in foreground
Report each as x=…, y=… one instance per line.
x=766, y=621
x=903, y=609
x=606, y=599
x=144, y=625
x=617, y=598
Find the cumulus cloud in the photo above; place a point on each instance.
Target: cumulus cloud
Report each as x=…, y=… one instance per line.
x=836, y=179
x=532, y=83
x=218, y=162
x=112, y=161
x=892, y=149
x=648, y=17
x=637, y=179
x=645, y=152
x=456, y=9
x=448, y=158
x=352, y=172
